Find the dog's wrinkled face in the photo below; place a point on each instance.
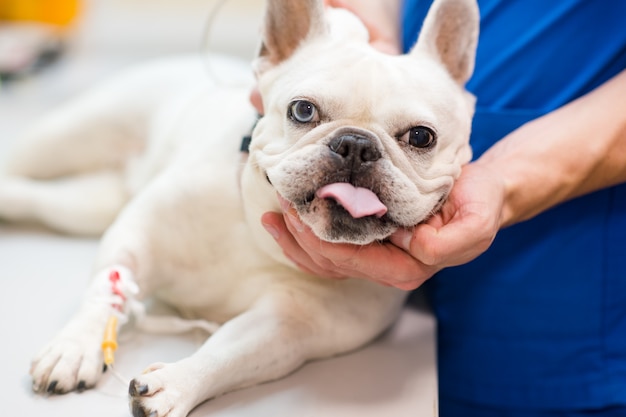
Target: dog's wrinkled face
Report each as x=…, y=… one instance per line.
x=360, y=142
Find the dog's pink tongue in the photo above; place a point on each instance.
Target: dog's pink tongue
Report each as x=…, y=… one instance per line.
x=359, y=202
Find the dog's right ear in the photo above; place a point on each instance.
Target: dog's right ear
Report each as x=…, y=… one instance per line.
x=287, y=24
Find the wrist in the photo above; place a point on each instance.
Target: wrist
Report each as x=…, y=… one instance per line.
x=571, y=151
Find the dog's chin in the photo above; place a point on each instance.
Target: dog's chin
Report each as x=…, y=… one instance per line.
x=332, y=223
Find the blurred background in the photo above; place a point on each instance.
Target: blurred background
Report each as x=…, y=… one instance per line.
x=53, y=49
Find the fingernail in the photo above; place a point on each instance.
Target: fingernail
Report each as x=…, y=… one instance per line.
x=284, y=204
x=271, y=230
x=288, y=209
x=295, y=222
x=402, y=238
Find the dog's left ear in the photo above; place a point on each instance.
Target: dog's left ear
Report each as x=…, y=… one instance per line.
x=287, y=24
x=450, y=33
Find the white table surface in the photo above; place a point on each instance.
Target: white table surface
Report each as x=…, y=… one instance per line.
x=44, y=274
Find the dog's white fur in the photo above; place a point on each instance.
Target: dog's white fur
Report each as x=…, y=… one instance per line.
x=151, y=159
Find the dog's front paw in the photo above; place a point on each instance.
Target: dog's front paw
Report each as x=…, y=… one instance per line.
x=159, y=392
x=67, y=364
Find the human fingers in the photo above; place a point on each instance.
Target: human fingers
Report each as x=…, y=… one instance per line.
x=312, y=256
x=379, y=262
x=256, y=100
x=381, y=32
x=274, y=223
x=464, y=227
x=453, y=244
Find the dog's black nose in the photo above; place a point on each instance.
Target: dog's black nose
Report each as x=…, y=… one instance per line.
x=355, y=149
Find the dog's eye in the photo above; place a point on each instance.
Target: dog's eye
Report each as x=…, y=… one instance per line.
x=420, y=136
x=302, y=111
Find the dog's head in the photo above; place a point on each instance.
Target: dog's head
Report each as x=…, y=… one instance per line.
x=359, y=141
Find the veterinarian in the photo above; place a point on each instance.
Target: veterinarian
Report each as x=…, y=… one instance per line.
x=529, y=249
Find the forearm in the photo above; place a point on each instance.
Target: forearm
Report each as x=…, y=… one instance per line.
x=570, y=152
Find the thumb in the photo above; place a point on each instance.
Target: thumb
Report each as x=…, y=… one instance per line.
x=402, y=238
x=257, y=100
x=419, y=242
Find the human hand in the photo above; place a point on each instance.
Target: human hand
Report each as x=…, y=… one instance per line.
x=380, y=18
x=463, y=229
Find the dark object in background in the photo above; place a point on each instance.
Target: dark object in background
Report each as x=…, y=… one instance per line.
x=27, y=47
x=32, y=33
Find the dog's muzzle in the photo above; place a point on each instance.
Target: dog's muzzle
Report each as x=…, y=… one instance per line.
x=355, y=149
x=354, y=154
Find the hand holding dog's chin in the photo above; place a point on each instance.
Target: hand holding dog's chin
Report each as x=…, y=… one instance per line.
x=462, y=230
x=384, y=263
x=465, y=226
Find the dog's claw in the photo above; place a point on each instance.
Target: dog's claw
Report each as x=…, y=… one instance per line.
x=82, y=385
x=151, y=397
x=135, y=389
x=66, y=364
x=139, y=411
x=52, y=387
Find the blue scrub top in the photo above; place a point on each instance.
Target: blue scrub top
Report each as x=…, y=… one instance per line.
x=539, y=321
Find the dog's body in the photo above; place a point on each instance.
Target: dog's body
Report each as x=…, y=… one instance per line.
x=155, y=155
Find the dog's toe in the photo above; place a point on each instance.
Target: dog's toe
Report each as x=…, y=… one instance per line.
x=139, y=410
x=159, y=392
x=137, y=389
x=52, y=388
x=148, y=399
x=82, y=386
x=65, y=366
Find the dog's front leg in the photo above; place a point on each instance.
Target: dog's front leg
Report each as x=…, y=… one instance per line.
x=73, y=360
x=265, y=343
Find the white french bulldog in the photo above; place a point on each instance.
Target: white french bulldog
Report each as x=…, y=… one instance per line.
x=360, y=143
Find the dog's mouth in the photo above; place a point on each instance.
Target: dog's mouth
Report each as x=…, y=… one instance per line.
x=359, y=202
x=343, y=212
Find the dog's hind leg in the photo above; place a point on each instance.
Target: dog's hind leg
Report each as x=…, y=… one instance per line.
x=81, y=152
x=107, y=125
x=67, y=170
x=97, y=130
x=278, y=334
x=82, y=205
